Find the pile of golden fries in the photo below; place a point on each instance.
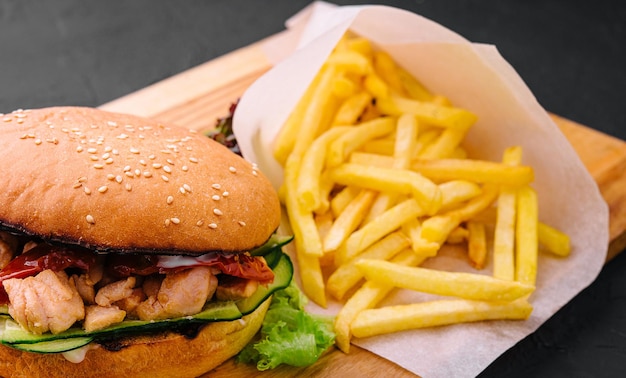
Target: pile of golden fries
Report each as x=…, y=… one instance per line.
x=377, y=181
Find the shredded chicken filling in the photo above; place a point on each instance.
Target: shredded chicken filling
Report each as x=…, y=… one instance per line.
x=54, y=301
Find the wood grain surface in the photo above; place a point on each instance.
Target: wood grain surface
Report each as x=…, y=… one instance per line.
x=197, y=97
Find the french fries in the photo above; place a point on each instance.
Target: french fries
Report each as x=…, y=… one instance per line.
x=377, y=181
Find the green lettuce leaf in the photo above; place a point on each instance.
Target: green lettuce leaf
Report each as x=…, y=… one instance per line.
x=289, y=334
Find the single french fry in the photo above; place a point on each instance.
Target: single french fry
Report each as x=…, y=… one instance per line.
x=350, y=61
x=355, y=137
x=344, y=87
x=304, y=123
x=376, y=87
x=478, y=171
x=367, y=296
x=406, y=141
x=324, y=222
x=373, y=231
x=326, y=188
x=311, y=166
x=388, y=179
x=504, y=236
x=311, y=275
x=477, y=244
x=398, y=318
x=428, y=112
x=526, y=236
x=352, y=108
x=455, y=284
x=445, y=145
x=346, y=276
x=553, y=240
x=303, y=223
x=387, y=70
x=341, y=200
x=413, y=87
x=348, y=220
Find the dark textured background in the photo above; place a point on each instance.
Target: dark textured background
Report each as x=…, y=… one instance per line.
x=570, y=53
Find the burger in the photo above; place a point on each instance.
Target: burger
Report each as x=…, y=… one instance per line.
x=129, y=247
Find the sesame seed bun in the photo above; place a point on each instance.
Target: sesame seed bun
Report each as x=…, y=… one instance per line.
x=171, y=355
x=115, y=182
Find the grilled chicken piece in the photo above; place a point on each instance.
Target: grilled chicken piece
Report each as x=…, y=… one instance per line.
x=182, y=293
x=115, y=291
x=48, y=301
x=98, y=317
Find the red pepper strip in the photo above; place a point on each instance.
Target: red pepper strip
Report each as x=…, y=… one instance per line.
x=42, y=257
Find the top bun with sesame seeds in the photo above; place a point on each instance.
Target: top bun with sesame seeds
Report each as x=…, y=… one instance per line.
x=121, y=183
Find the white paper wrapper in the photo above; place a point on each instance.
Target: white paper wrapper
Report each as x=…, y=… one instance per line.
x=474, y=77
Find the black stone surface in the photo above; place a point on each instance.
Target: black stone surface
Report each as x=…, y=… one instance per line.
x=570, y=53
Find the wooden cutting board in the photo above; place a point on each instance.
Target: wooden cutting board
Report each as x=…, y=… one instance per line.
x=197, y=97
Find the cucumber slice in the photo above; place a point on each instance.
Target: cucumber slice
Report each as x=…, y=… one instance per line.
x=12, y=334
x=273, y=243
x=54, y=346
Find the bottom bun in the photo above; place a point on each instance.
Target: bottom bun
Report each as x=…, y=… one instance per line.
x=172, y=355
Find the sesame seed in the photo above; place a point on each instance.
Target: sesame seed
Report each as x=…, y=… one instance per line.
x=127, y=168
x=182, y=190
x=166, y=168
x=184, y=168
x=232, y=169
x=82, y=179
x=170, y=161
x=199, y=223
x=187, y=187
x=37, y=141
x=165, y=178
x=111, y=177
x=254, y=173
x=112, y=123
x=137, y=172
x=242, y=223
x=89, y=218
x=129, y=187
x=217, y=211
x=212, y=225
x=86, y=190
x=142, y=162
x=215, y=197
x=156, y=165
x=106, y=155
x=98, y=166
x=133, y=150
x=151, y=157
x=167, y=222
x=147, y=174
x=77, y=185
x=118, y=179
x=129, y=174
x=225, y=194
x=92, y=150
x=103, y=189
x=193, y=159
x=94, y=157
x=216, y=186
x=175, y=220
x=6, y=119
x=108, y=149
x=169, y=200
x=109, y=161
x=115, y=152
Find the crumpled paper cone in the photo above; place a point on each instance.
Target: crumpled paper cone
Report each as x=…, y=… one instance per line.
x=475, y=77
